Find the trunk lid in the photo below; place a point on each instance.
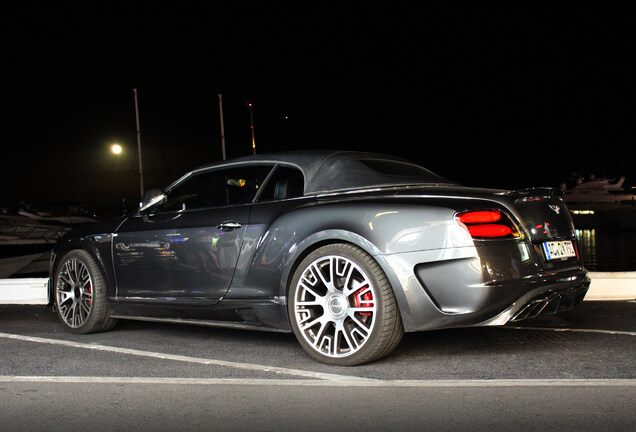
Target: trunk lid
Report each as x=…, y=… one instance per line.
x=543, y=214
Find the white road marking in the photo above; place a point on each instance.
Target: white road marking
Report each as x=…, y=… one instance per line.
x=611, y=332
x=312, y=378
x=187, y=359
x=619, y=382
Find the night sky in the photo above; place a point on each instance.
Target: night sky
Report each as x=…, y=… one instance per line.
x=488, y=96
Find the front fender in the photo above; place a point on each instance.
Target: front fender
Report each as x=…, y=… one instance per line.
x=99, y=248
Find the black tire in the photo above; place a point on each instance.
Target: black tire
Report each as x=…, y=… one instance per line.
x=80, y=294
x=342, y=308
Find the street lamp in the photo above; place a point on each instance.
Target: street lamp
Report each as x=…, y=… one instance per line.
x=252, y=128
x=116, y=149
x=117, y=154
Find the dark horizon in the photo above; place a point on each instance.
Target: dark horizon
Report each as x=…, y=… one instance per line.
x=492, y=97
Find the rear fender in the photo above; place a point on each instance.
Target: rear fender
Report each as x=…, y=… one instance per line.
x=387, y=264
x=313, y=242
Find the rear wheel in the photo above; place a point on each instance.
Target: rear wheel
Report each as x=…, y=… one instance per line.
x=342, y=308
x=80, y=294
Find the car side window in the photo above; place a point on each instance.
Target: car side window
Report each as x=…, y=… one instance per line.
x=216, y=188
x=286, y=182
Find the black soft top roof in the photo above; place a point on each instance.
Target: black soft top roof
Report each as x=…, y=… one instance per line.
x=334, y=170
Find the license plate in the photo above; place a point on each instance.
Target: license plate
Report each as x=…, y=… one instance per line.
x=558, y=249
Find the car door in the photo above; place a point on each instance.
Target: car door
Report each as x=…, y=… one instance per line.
x=259, y=267
x=185, y=249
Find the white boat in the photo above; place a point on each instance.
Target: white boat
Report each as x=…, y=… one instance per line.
x=599, y=191
x=25, y=245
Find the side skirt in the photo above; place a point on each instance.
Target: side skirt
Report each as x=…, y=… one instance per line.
x=207, y=323
x=255, y=314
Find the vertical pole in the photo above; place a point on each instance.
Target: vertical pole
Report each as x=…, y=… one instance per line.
x=222, y=127
x=252, y=128
x=141, y=171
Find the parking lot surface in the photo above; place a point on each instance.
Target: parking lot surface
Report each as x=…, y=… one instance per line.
x=576, y=370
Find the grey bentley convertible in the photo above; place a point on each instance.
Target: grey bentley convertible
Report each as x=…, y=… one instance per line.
x=346, y=250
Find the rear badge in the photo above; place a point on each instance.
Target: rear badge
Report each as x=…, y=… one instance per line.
x=556, y=208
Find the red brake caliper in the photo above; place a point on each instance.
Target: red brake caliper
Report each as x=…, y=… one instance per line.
x=366, y=296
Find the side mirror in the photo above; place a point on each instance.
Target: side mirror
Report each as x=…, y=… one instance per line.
x=151, y=198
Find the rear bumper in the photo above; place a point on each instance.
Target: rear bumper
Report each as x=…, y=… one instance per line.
x=562, y=294
x=465, y=291
x=552, y=303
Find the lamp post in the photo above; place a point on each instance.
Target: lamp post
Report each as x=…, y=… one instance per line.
x=141, y=171
x=252, y=128
x=222, y=125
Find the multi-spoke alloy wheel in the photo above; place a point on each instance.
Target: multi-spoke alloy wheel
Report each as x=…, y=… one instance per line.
x=79, y=294
x=74, y=292
x=342, y=308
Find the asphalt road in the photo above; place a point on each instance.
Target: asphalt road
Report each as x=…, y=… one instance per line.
x=575, y=371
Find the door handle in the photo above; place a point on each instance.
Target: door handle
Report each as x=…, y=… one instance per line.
x=229, y=225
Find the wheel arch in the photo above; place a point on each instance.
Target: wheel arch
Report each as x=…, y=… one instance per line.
x=335, y=236
x=316, y=241
x=89, y=245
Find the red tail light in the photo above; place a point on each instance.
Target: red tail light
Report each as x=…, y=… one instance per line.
x=481, y=217
x=487, y=224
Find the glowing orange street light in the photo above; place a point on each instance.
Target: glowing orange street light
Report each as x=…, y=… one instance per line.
x=252, y=128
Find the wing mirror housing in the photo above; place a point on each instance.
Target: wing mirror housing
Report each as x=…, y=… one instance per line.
x=151, y=198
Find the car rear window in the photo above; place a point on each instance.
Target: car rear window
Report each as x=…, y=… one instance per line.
x=397, y=168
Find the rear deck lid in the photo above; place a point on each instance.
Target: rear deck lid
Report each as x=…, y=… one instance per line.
x=543, y=214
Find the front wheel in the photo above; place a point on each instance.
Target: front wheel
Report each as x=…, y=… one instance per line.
x=80, y=294
x=342, y=308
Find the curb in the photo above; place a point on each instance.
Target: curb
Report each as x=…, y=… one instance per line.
x=26, y=291
x=612, y=286
x=605, y=286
